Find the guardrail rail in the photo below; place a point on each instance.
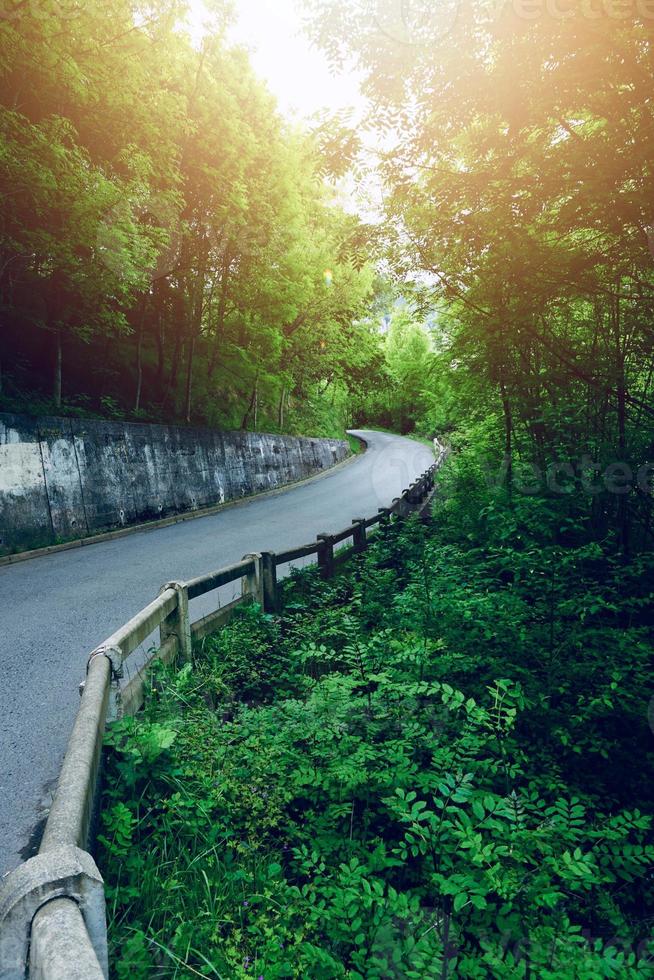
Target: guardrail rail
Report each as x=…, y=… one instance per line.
x=52, y=907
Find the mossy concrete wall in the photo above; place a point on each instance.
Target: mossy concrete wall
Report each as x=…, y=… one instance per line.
x=69, y=478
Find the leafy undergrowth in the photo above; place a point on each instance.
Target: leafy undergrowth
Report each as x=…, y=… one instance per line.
x=436, y=765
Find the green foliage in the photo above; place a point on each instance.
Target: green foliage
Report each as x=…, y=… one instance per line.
x=165, y=233
x=399, y=400
x=515, y=218
x=425, y=768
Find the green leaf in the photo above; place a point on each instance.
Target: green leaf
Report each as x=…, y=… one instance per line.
x=460, y=900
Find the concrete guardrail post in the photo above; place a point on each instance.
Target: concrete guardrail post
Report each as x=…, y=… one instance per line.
x=325, y=555
x=269, y=593
x=429, y=484
x=252, y=582
x=359, y=541
x=178, y=622
x=403, y=508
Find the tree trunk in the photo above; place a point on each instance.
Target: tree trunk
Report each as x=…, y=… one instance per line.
x=196, y=305
x=161, y=359
x=621, y=391
x=139, y=359
x=280, y=411
x=623, y=510
x=222, y=310
x=159, y=307
x=174, y=369
x=252, y=403
x=189, y=378
x=508, y=431
x=56, y=387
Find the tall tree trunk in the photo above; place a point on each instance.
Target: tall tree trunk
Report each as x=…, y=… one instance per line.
x=139, y=371
x=196, y=324
x=508, y=443
x=56, y=386
x=161, y=349
x=251, y=404
x=1, y=366
x=189, y=378
x=139, y=358
x=196, y=303
x=623, y=510
x=280, y=410
x=220, y=317
x=174, y=370
x=621, y=391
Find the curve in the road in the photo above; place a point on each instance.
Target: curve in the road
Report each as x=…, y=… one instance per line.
x=56, y=608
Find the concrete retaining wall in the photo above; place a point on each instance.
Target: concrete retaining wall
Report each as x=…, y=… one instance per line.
x=68, y=478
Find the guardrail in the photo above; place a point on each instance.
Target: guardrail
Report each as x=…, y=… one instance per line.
x=52, y=907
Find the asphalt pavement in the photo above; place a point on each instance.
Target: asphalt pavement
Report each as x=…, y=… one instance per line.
x=55, y=609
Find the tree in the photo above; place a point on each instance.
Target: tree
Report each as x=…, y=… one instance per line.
x=517, y=189
x=165, y=225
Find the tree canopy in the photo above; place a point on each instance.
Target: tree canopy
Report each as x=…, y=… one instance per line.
x=166, y=235
x=518, y=198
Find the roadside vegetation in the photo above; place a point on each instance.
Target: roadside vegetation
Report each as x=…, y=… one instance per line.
x=435, y=765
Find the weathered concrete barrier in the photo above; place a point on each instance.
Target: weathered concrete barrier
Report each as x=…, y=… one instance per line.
x=62, y=479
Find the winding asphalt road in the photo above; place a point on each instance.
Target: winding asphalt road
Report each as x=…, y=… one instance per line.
x=57, y=608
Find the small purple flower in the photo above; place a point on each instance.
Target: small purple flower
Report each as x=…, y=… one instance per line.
x=246, y=903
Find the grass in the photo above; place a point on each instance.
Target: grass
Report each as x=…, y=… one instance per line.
x=356, y=446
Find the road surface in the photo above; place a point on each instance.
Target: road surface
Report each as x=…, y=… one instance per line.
x=55, y=609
